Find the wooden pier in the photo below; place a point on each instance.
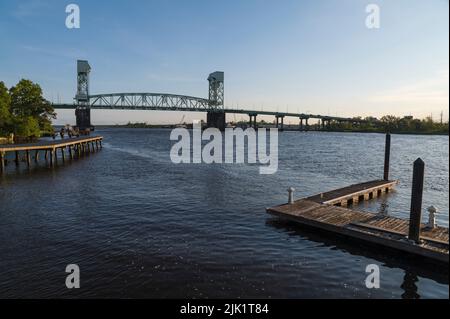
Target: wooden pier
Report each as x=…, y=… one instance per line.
x=327, y=212
x=75, y=147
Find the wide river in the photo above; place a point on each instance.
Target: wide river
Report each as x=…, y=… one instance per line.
x=138, y=225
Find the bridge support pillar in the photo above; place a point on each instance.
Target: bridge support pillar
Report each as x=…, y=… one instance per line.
x=306, y=125
x=278, y=124
x=252, y=122
x=83, y=116
x=216, y=119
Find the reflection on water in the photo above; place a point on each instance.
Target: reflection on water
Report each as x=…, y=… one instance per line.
x=384, y=207
x=413, y=266
x=409, y=286
x=140, y=226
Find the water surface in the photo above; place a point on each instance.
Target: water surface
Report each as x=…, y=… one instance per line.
x=140, y=226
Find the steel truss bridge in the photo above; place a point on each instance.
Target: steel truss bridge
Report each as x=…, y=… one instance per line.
x=213, y=106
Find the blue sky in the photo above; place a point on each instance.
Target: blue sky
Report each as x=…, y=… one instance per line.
x=308, y=56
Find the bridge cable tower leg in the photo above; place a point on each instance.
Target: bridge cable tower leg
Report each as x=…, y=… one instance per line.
x=83, y=110
x=216, y=113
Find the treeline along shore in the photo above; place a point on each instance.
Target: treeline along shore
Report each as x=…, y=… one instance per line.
x=25, y=115
x=389, y=123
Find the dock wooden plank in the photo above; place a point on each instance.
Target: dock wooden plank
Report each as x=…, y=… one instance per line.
x=319, y=211
x=349, y=192
x=48, y=146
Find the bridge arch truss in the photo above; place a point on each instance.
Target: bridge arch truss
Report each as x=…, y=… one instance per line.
x=150, y=101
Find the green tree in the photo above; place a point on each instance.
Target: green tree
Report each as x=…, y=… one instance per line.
x=5, y=114
x=27, y=101
x=390, y=122
x=27, y=126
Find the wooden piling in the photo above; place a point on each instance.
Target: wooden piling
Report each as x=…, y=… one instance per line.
x=416, y=200
x=52, y=155
x=387, y=155
x=16, y=159
x=36, y=155
x=27, y=157
x=2, y=161
x=62, y=154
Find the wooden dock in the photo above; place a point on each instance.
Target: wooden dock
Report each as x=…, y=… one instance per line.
x=326, y=212
x=75, y=147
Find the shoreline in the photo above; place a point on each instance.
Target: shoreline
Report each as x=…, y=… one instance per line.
x=171, y=126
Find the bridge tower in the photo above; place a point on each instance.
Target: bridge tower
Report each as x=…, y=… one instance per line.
x=216, y=113
x=83, y=110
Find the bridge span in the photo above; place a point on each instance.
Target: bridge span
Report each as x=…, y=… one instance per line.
x=213, y=105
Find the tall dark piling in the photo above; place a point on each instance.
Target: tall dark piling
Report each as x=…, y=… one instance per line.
x=2, y=161
x=416, y=201
x=387, y=155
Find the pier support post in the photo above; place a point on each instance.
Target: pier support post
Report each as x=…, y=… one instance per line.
x=17, y=158
x=416, y=201
x=27, y=154
x=2, y=162
x=387, y=155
